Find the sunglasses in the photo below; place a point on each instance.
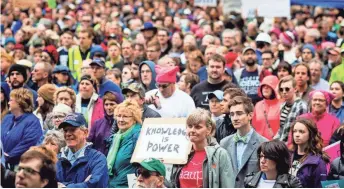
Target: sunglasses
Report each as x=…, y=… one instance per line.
x=145, y=173
x=286, y=89
x=162, y=86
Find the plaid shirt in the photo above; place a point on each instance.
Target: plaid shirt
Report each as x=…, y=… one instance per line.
x=298, y=108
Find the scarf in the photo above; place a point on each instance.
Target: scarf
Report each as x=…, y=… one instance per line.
x=115, y=147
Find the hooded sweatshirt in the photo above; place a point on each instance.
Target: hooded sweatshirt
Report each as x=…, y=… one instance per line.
x=152, y=68
x=266, y=113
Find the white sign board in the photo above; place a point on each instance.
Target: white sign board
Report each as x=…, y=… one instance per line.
x=265, y=8
x=163, y=139
x=205, y=3
x=231, y=5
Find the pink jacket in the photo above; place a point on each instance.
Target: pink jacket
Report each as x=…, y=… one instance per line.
x=327, y=125
x=270, y=107
x=95, y=108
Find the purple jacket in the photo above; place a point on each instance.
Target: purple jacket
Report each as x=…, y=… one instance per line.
x=312, y=172
x=100, y=130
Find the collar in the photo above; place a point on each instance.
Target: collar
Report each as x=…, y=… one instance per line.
x=20, y=117
x=78, y=154
x=247, y=136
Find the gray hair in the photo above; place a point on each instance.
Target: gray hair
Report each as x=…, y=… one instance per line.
x=57, y=136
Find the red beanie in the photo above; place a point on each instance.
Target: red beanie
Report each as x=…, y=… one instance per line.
x=230, y=59
x=166, y=74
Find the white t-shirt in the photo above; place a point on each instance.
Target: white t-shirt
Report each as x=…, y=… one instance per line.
x=266, y=183
x=178, y=105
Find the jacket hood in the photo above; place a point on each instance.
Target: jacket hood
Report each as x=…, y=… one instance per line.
x=271, y=81
x=151, y=66
x=6, y=90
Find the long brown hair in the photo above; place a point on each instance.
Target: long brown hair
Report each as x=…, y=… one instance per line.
x=315, y=143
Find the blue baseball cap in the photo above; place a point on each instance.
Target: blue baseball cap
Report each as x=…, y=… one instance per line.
x=61, y=69
x=218, y=94
x=98, y=62
x=10, y=40
x=74, y=120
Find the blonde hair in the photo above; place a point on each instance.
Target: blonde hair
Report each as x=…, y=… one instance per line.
x=69, y=90
x=24, y=98
x=130, y=106
x=201, y=115
x=7, y=57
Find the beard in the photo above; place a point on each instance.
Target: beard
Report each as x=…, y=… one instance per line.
x=250, y=62
x=17, y=85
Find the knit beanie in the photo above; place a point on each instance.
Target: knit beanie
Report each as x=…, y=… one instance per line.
x=47, y=92
x=19, y=68
x=166, y=74
x=310, y=47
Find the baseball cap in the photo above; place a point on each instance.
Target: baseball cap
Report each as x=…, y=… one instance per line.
x=73, y=119
x=25, y=63
x=61, y=69
x=10, y=40
x=264, y=37
x=248, y=48
x=98, y=62
x=136, y=88
x=218, y=94
x=155, y=165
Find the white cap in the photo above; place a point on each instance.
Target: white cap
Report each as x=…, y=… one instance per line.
x=25, y=63
x=62, y=108
x=264, y=37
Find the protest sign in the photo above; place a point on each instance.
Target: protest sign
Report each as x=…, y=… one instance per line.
x=332, y=184
x=265, y=8
x=163, y=139
x=205, y=3
x=25, y=4
x=333, y=151
x=231, y=5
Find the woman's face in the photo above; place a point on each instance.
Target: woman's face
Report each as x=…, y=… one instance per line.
x=300, y=134
x=40, y=101
x=198, y=133
x=109, y=107
x=86, y=89
x=266, y=164
x=52, y=145
x=318, y=103
x=194, y=66
x=64, y=98
x=282, y=73
x=45, y=57
x=126, y=74
x=182, y=85
x=176, y=40
x=58, y=118
x=13, y=105
x=267, y=91
x=125, y=120
x=114, y=51
x=337, y=91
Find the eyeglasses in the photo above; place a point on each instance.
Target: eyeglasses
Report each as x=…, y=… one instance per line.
x=59, y=116
x=286, y=89
x=162, y=86
x=145, y=173
x=27, y=170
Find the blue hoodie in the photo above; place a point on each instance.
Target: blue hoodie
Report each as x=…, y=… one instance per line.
x=152, y=68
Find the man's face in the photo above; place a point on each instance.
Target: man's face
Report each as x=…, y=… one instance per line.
x=152, y=53
x=267, y=60
x=148, y=34
x=210, y=51
x=152, y=181
x=85, y=40
x=287, y=91
x=138, y=51
x=215, y=70
x=227, y=39
x=168, y=21
x=75, y=137
x=239, y=117
x=162, y=37
x=224, y=105
x=97, y=71
x=62, y=77
x=315, y=69
x=215, y=107
x=86, y=21
x=38, y=73
x=66, y=40
x=127, y=51
x=301, y=76
x=146, y=74
x=28, y=176
x=250, y=57
x=16, y=79
x=134, y=71
x=166, y=89
x=134, y=96
x=306, y=55
x=37, y=57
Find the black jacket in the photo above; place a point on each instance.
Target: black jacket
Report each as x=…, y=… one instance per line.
x=337, y=166
x=224, y=127
x=282, y=181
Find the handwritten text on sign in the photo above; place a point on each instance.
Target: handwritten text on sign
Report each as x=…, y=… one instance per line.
x=163, y=139
x=207, y=3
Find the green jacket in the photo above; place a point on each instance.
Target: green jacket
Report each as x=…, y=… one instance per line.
x=337, y=73
x=215, y=168
x=75, y=61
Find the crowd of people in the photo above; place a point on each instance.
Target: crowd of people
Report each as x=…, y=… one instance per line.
x=261, y=97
